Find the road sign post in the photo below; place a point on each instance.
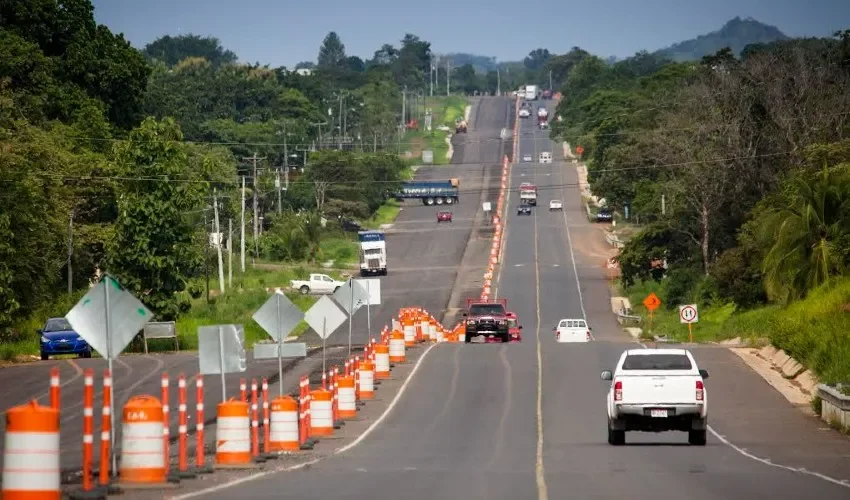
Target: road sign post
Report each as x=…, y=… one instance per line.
x=221, y=350
x=651, y=302
x=324, y=318
x=351, y=296
x=109, y=330
x=278, y=317
x=373, y=294
x=689, y=314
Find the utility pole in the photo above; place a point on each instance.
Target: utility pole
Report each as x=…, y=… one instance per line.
x=403, y=108
x=448, y=77
x=219, y=242
x=230, y=253
x=242, y=235
x=71, y=252
x=254, y=159
x=550, y=79
x=498, y=82
x=340, y=121
x=431, y=77
x=207, y=255
x=663, y=205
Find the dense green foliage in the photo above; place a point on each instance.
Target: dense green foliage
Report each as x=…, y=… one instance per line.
x=114, y=155
x=751, y=156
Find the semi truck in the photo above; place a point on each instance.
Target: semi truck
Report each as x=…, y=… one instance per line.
x=531, y=92
x=373, y=252
x=528, y=194
x=431, y=192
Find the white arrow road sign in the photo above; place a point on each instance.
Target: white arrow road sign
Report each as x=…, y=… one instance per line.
x=688, y=314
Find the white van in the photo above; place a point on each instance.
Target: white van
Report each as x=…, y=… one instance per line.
x=572, y=330
x=545, y=157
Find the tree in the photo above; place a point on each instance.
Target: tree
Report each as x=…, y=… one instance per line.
x=332, y=53
x=412, y=62
x=173, y=49
x=153, y=246
x=535, y=59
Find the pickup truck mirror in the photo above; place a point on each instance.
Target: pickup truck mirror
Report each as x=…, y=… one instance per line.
x=607, y=375
x=703, y=373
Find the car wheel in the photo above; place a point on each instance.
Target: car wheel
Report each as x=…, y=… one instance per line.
x=697, y=438
x=467, y=338
x=44, y=357
x=304, y=289
x=86, y=354
x=616, y=437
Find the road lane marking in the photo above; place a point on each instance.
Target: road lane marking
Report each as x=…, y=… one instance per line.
x=539, y=469
x=570, y=244
x=309, y=463
x=506, y=408
x=766, y=461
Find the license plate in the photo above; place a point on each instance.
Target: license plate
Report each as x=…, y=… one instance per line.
x=658, y=413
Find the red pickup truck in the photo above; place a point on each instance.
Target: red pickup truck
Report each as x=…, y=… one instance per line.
x=488, y=318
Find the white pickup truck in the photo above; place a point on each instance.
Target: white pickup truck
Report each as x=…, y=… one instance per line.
x=318, y=283
x=657, y=390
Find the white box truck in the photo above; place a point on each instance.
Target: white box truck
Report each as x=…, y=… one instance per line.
x=373, y=252
x=531, y=92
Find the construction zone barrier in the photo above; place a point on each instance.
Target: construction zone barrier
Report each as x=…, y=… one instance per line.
x=347, y=399
x=397, y=348
x=31, y=453
x=233, y=434
x=284, y=435
x=367, y=380
x=321, y=413
x=143, y=461
x=382, y=361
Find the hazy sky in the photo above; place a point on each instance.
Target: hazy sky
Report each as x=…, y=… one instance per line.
x=283, y=32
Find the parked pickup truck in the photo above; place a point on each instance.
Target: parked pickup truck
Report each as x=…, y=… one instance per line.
x=657, y=390
x=318, y=283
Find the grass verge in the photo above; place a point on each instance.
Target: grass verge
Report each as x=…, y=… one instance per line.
x=444, y=112
x=387, y=212
x=815, y=331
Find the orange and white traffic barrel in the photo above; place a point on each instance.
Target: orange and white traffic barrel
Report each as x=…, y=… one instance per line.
x=382, y=361
x=409, y=329
x=321, y=413
x=233, y=433
x=397, y=348
x=432, y=329
x=31, y=453
x=367, y=379
x=461, y=333
x=143, y=459
x=347, y=398
x=441, y=337
x=284, y=425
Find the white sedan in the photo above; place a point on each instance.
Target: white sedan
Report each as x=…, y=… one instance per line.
x=523, y=113
x=527, y=157
x=572, y=330
x=556, y=205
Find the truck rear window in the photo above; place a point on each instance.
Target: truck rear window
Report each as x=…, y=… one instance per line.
x=657, y=362
x=485, y=309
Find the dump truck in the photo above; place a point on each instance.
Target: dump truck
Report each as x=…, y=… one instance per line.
x=460, y=127
x=431, y=192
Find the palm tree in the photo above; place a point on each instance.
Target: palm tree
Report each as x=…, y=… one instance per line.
x=802, y=235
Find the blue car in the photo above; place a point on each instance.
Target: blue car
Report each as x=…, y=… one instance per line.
x=58, y=337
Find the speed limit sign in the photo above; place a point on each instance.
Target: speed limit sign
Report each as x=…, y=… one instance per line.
x=688, y=314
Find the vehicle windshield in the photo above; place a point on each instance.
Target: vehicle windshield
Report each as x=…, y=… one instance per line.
x=512, y=323
x=57, y=325
x=486, y=309
x=657, y=362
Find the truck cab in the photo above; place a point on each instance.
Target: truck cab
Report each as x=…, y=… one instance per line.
x=528, y=195
x=373, y=253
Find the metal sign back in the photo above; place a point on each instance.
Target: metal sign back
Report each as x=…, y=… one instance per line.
x=127, y=316
x=278, y=316
x=221, y=347
x=287, y=350
x=351, y=296
x=324, y=317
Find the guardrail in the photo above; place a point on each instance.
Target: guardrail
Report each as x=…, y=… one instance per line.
x=624, y=317
x=835, y=406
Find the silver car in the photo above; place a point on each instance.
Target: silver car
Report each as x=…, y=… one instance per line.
x=527, y=157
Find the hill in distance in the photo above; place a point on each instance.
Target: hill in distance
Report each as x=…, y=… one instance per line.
x=735, y=34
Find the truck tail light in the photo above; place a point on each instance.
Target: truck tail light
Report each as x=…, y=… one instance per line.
x=700, y=390
x=618, y=391
x=588, y=336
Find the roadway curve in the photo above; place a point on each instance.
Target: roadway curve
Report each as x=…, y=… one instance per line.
x=528, y=420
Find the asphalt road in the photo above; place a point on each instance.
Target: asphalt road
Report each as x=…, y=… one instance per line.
x=528, y=420
x=425, y=262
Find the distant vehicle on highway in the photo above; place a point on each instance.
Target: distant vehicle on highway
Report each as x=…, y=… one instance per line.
x=486, y=317
x=444, y=217
x=546, y=94
x=524, y=113
x=545, y=157
x=523, y=209
x=604, y=215
x=527, y=157
x=657, y=390
x=543, y=125
x=572, y=330
x=58, y=337
x=514, y=328
x=556, y=205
